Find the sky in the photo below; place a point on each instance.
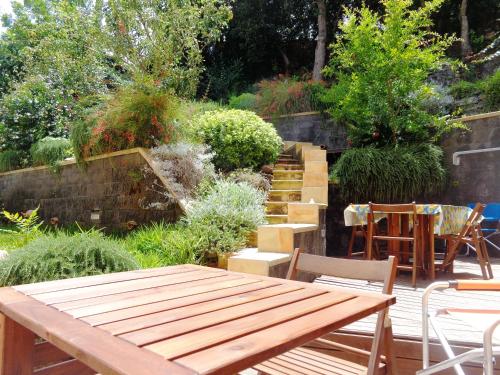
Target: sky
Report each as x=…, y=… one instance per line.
x=4, y=8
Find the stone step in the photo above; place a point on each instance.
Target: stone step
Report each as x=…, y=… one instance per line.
x=276, y=208
x=287, y=161
x=287, y=184
x=279, y=238
x=285, y=156
x=295, y=174
x=252, y=261
x=284, y=167
x=276, y=218
x=285, y=195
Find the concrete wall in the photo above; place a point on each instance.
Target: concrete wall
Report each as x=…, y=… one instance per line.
x=313, y=127
x=477, y=178
x=117, y=187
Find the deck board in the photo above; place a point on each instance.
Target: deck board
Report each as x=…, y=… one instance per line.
x=406, y=313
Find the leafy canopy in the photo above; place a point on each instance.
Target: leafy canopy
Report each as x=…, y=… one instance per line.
x=380, y=65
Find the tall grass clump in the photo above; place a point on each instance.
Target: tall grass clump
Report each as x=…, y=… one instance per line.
x=392, y=174
x=9, y=160
x=51, y=151
x=62, y=255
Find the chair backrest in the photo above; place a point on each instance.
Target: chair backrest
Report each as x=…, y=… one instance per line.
x=369, y=270
x=404, y=208
x=472, y=220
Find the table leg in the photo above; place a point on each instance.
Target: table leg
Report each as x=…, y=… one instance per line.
x=17, y=346
x=432, y=265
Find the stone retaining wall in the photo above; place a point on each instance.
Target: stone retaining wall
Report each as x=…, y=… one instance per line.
x=110, y=191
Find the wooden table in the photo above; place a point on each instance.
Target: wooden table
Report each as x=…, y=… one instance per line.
x=175, y=320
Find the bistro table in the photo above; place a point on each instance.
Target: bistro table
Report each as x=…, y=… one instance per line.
x=435, y=219
x=183, y=319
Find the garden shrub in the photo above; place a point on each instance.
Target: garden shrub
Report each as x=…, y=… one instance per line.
x=26, y=227
x=255, y=179
x=225, y=215
x=239, y=139
x=491, y=88
x=62, y=255
x=9, y=160
x=244, y=101
x=50, y=151
x=381, y=65
x=284, y=96
x=184, y=165
x=463, y=89
x=138, y=115
x=392, y=174
x=161, y=244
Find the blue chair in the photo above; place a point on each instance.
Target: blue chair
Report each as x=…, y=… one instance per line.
x=490, y=224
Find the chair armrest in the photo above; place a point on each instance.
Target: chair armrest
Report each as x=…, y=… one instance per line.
x=476, y=285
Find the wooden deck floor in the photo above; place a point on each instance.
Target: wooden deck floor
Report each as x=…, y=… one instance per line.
x=406, y=314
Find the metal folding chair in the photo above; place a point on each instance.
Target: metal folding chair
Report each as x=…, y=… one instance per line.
x=485, y=320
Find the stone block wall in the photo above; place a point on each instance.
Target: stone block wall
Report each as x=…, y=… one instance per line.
x=115, y=189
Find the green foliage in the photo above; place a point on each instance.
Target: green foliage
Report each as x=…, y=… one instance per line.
x=491, y=89
x=62, y=255
x=392, y=174
x=162, y=244
x=240, y=139
x=9, y=160
x=165, y=38
x=463, y=89
x=51, y=151
x=244, y=101
x=255, y=179
x=225, y=215
x=380, y=65
x=26, y=227
x=287, y=95
x=138, y=115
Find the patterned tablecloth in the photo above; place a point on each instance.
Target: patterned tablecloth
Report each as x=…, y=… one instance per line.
x=447, y=219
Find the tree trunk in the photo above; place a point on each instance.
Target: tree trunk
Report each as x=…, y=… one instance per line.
x=320, y=53
x=464, y=31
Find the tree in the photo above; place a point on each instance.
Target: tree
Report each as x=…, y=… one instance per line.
x=466, y=49
x=320, y=52
x=380, y=66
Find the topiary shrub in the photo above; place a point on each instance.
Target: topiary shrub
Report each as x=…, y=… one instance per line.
x=62, y=255
x=50, y=151
x=240, y=139
x=244, y=101
x=10, y=160
x=395, y=174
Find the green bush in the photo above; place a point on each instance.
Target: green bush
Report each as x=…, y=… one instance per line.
x=380, y=65
x=255, y=179
x=61, y=256
x=51, y=151
x=463, y=89
x=396, y=174
x=225, y=215
x=240, y=139
x=284, y=96
x=162, y=244
x=491, y=88
x=244, y=101
x=10, y=160
x=138, y=115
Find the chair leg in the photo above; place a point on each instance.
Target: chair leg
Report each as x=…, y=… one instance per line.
x=414, y=266
x=351, y=242
x=486, y=258
x=373, y=362
x=390, y=355
x=480, y=256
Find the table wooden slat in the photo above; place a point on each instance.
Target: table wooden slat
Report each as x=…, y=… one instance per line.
x=198, y=322
x=95, y=348
x=215, y=306
x=173, y=292
x=184, y=344
x=122, y=286
x=79, y=282
x=184, y=301
x=235, y=355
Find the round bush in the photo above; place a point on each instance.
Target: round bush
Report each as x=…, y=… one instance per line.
x=240, y=139
x=62, y=256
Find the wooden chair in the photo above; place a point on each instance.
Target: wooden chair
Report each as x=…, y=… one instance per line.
x=471, y=235
x=399, y=216
x=303, y=360
x=357, y=231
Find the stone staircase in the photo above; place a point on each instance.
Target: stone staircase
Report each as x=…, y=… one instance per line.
x=294, y=211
